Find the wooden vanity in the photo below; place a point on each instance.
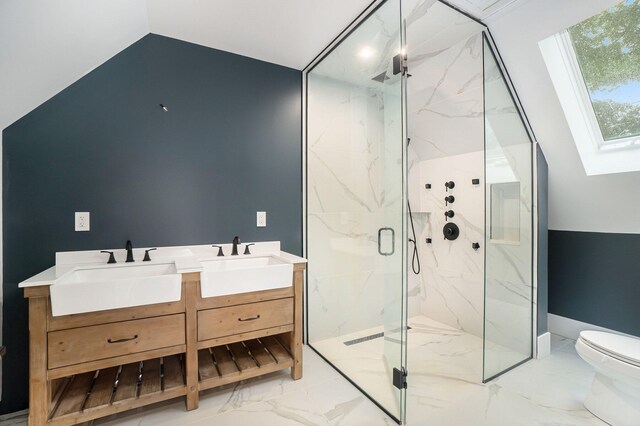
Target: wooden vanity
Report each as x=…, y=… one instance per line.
x=91, y=365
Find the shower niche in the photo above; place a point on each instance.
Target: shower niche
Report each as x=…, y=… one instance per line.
x=419, y=205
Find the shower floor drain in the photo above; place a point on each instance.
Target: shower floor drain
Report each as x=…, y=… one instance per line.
x=366, y=338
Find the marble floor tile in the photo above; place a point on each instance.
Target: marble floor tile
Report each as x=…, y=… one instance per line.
x=229, y=398
x=292, y=409
x=342, y=404
x=558, y=342
x=548, y=391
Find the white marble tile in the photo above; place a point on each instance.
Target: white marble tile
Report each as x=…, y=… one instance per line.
x=453, y=273
x=290, y=410
x=229, y=398
x=346, y=303
x=451, y=127
x=559, y=342
x=441, y=75
x=436, y=25
x=342, y=404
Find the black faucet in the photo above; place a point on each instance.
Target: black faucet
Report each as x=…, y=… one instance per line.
x=129, y=248
x=112, y=259
x=236, y=243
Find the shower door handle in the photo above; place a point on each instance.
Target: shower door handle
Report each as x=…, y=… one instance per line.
x=393, y=241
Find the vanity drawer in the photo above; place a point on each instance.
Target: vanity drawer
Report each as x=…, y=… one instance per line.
x=214, y=323
x=84, y=344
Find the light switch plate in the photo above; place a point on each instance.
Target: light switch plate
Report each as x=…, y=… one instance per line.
x=261, y=219
x=82, y=221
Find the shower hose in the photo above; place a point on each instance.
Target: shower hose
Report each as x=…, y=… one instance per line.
x=415, y=259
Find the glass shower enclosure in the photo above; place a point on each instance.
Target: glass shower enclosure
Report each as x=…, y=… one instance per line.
x=356, y=181
x=410, y=97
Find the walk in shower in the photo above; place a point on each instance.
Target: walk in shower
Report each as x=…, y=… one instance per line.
x=419, y=205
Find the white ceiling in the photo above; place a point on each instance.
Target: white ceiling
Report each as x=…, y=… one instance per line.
x=47, y=46
x=285, y=32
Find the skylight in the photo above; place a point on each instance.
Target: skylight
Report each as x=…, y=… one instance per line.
x=595, y=69
x=607, y=48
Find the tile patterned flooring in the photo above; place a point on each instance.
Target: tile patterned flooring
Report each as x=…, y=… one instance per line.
x=434, y=350
x=548, y=391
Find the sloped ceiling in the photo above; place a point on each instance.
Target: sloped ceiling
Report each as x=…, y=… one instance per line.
x=577, y=202
x=482, y=9
x=47, y=45
x=285, y=32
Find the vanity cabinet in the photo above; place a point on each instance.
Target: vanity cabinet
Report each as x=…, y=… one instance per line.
x=244, y=318
x=92, y=343
x=86, y=366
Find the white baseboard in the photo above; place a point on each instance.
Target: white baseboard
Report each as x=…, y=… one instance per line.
x=570, y=328
x=544, y=345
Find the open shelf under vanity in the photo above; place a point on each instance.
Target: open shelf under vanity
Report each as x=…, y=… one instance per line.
x=93, y=394
x=225, y=364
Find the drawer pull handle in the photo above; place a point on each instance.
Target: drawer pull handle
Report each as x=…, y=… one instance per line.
x=123, y=340
x=249, y=319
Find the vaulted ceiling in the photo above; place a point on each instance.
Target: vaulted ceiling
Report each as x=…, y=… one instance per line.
x=285, y=32
x=46, y=46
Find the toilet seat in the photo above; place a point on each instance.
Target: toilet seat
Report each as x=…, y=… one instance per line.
x=614, y=395
x=623, y=348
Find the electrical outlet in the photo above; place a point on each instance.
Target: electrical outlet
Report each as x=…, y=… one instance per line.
x=261, y=219
x=82, y=221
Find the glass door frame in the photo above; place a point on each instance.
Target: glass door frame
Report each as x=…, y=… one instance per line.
x=489, y=42
x=402, y=243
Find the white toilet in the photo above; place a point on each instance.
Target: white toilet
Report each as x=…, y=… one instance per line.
x=615, y=393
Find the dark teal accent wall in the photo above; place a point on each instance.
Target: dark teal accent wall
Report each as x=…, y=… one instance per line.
x=595, y=278
x=229, y=146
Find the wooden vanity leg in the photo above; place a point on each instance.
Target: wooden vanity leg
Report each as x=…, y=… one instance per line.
x=296, y=334
x=39, y=400
x=191, y=359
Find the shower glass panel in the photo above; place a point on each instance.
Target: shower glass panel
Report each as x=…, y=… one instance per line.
x=356, y=233
x=508, y=227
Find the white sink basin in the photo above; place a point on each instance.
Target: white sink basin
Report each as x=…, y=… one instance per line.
x=242, y=275
x=115, y=286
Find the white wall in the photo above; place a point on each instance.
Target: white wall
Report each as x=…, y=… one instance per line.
x=606, y=203
x=47, y=45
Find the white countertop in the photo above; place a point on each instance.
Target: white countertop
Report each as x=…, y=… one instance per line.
x=186, y=259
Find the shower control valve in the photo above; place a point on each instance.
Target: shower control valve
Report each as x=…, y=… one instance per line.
x=449, y=199
x=450, y=185
x=449, y=214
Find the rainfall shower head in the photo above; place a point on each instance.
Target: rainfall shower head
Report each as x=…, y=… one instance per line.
x=380, y=78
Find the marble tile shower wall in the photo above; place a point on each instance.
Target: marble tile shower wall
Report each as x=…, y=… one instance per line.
x=509, y=264
x=446, y=127
x=345, y=197
x=452, y=278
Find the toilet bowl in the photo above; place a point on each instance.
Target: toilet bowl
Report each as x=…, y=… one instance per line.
x=615, y=392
